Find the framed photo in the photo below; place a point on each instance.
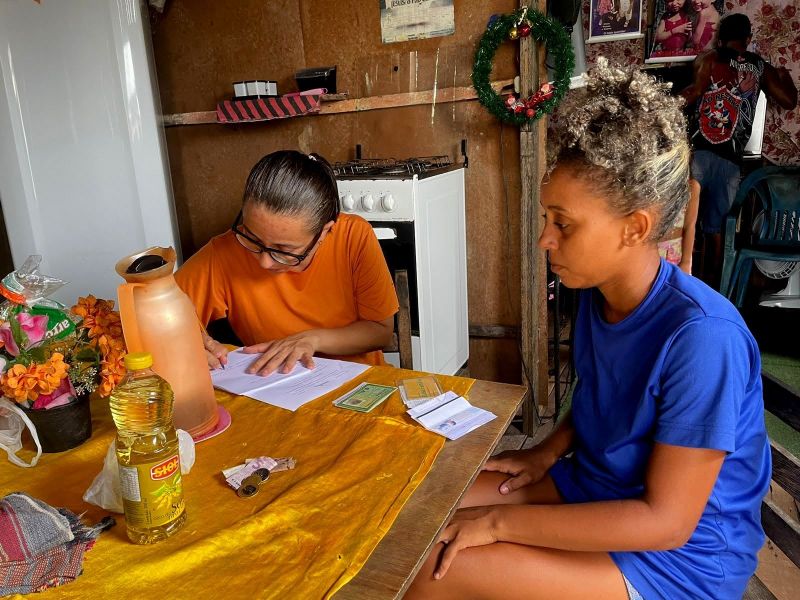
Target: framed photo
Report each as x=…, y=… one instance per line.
x=683, y=29
x=611, y=20
x=407, y=20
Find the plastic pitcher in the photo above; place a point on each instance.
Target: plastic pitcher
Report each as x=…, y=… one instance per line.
x=159, y=318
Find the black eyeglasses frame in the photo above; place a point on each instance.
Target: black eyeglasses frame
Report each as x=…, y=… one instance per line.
x=299, y=258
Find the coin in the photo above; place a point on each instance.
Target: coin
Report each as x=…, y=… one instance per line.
x=252, y=479
x=247, y=490
x=263, y=473
x=249, y=486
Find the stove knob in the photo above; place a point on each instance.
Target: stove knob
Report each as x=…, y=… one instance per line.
x=388, y=202
x=368, y=202
x=348, y=202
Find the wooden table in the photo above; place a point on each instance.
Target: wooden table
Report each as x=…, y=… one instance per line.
x=394, y=563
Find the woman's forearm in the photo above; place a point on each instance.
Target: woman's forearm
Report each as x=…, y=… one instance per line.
x=618, y=525
x=358, y=337
x=558, y=443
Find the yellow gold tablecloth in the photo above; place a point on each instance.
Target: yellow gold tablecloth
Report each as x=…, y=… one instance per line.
x=304, y=535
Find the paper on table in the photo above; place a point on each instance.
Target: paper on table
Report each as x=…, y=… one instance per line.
x=234, y=379
x=450, y=415
x=285, y=390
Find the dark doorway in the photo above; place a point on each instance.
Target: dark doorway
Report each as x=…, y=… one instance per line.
x=6, y=262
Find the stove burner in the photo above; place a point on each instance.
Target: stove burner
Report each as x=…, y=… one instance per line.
x=390, y=166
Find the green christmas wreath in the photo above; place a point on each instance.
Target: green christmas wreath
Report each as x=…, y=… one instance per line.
x=523, y=23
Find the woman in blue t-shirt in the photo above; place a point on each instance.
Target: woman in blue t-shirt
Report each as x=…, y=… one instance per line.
x=651, y=487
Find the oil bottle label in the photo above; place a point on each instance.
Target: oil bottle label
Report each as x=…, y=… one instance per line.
x=152, y=493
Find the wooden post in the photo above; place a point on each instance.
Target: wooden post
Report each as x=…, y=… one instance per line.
x=533, y=267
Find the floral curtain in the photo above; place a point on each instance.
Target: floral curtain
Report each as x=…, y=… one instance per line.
x=776, y=37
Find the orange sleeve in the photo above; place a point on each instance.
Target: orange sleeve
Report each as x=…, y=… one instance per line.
x=376, y=298
x=199, y=278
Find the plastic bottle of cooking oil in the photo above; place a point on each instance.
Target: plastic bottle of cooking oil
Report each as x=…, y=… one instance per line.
x=147, y=452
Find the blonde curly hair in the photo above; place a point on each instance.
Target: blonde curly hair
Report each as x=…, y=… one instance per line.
x=627, y=135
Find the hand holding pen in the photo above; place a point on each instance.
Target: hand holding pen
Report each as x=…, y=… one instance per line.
x=216, y=353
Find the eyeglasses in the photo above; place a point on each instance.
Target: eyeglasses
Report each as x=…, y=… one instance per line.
x=279, y=256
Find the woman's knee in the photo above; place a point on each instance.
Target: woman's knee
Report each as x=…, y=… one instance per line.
x=509, y=571
x=486, y=492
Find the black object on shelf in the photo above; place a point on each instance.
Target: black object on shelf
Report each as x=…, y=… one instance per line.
x=316, y=77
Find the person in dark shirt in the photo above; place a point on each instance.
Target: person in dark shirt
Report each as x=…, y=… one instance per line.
x=723, y=98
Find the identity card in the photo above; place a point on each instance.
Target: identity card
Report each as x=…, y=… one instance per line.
x=417, y=390
x=365, y=397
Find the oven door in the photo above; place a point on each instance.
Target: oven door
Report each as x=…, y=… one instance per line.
x=397, y=243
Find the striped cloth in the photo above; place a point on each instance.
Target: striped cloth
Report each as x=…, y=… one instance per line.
x=40, y=546
x=264, y=109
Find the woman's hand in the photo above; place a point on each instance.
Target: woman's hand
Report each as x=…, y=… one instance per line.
x=686, y=265
x=524, y=466
x=216, y=353
x=283, y=355
x=470, y=527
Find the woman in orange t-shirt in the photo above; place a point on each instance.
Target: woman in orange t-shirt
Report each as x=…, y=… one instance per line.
x=293, y=277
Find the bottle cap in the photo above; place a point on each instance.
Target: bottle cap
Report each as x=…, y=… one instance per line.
x=138, y=360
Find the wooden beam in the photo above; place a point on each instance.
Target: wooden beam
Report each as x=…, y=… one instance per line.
x=781, y=529
x=453, y=94
x=785, y=470
x=533, y=267
x=493, y=331
x=193, y=118
x=781, y=400
x=756, y=590
x=338, y=103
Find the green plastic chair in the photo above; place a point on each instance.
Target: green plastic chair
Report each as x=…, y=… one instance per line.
x=776, y=228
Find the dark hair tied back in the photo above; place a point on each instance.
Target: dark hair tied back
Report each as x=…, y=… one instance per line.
x=288, y=182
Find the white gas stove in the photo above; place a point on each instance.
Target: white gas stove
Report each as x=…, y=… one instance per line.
x=416, y=208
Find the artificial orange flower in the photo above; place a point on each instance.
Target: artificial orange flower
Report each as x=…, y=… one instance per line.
x=22, y=383
x=112, y=367
x=104, y=328
x=99, y=317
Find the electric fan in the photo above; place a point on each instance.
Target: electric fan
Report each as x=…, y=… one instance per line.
x=788, y=297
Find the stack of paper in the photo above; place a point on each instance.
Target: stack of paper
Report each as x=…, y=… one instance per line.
x=450, y=415
x=286, y=390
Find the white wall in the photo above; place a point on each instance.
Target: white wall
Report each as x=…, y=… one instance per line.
x=83, y=172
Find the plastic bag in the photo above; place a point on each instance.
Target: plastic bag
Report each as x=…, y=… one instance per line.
x=12, y=423
x=105, y=490
x=28, y=286
x=27, y=317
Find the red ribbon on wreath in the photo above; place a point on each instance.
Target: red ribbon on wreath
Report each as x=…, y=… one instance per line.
x=516, y=104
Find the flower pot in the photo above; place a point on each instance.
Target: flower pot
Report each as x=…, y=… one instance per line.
x=63, y=427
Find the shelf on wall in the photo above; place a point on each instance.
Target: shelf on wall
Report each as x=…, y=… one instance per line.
x=341, y=103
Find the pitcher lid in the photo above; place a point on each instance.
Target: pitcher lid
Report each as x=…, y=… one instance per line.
x=161, y=264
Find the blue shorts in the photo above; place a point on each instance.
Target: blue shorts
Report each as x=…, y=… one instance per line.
x=719, y=182
x=632, y=593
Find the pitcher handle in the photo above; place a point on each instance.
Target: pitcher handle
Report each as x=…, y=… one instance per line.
x=127, y=313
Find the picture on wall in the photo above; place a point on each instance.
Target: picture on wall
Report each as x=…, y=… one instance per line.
x=407, y=20
x=683, y=29
x=611, y=20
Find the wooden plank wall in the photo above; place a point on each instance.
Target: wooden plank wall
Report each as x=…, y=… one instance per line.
x=202, y=46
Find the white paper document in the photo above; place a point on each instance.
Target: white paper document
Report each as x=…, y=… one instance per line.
x=285, y=390
x=450, y=415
